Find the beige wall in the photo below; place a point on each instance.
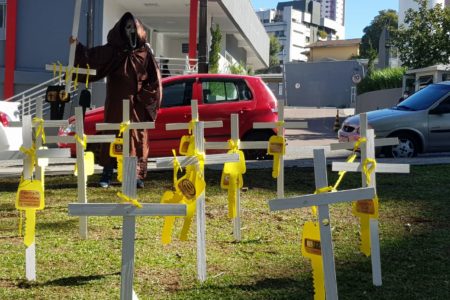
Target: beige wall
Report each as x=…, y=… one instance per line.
x=338, y=53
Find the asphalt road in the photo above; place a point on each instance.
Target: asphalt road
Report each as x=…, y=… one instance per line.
x=299, y=151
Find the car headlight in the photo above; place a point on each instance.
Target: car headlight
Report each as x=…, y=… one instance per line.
x=68, y=129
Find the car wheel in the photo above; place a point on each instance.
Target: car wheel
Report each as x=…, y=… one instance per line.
x=407, y=147
x=259, y=154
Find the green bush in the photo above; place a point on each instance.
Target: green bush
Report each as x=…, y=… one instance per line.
x=388, y=78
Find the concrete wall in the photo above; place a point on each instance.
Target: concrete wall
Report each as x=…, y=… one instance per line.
x=243, y=16
x=377, y=100
x=321, y=84
x=238, y=53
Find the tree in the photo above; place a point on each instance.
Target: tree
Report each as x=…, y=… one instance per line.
x=424, y=41
x=275, y=48
x=372, y=32
x=214, y=52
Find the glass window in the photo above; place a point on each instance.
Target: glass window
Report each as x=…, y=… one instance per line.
x=2, y=19
x=177, y=94
x=424, y=98
x=221, y=91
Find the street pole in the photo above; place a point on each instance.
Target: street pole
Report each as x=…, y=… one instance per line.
x=202, y=36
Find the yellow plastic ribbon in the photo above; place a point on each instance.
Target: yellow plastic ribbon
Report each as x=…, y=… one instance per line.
x=351, y=158
x=119, y=168
x=60, y=70
x=40, y=128
x=123, y=127
x=31, y=152
x=29, y=198
x=54, y=70
x=75, y=83
x=82, y=141
x=277, y=148
x=369, y=166
x=232, y=179
x=176, y=166
x=325, y=189
x=187, y=190
x=192, y=125
x=130, y=200
x=87, y=76
x=69, y=72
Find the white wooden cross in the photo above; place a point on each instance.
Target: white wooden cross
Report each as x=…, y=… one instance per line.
x=368, y=152
x=323, y=200
x=241, y=145
x=69, y=68
x=127, y=127
x=280, y=126
x=198, y=132
x=129, y=213
x=28, y=163
x=80, y=139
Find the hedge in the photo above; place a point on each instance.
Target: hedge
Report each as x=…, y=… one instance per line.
x=388, y=78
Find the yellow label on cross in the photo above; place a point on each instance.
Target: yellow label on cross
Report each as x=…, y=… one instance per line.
x=116, y=148
x=30, y=195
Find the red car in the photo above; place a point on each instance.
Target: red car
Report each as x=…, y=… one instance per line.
x=218, y=97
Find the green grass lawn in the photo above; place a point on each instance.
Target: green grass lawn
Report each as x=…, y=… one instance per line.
x=267, y=264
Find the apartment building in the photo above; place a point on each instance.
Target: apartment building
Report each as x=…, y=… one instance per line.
x=333, y=9
x=297, y=24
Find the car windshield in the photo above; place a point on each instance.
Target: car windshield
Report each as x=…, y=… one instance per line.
x=424, y=98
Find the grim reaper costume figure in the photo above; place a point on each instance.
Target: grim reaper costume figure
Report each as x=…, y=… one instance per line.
x=132, y=73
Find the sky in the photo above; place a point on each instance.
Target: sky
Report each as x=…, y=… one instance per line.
x=358, y=13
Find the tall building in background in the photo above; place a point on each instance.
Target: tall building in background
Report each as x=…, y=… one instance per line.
x=333, y=9
x=404, y=5
x=297, y=24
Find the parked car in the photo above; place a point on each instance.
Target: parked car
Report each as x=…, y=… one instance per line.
x=10, y=137
x=218, y=97
x=421, y=123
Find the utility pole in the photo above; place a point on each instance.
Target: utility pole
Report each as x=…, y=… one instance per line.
x=202, y=36
x=90, y=24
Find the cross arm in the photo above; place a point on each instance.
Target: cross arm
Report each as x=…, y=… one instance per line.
x=117, y=209
x=108, y=138
x=322, y=199
x=380, y=168
x=167, y=162
x=46, y=124
x=140, y=125
x=53, y=153
x=242, y=145
x=64, y=69
x=287, y=125
x=378, y=143
x=208, y=124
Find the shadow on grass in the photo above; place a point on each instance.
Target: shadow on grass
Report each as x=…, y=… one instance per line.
x=60, y=225
x=7, y=206
x=76, y=280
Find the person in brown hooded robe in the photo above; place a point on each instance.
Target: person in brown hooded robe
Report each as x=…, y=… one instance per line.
x=132, y=73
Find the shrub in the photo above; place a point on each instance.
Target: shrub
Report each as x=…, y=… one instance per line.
x=388, y=78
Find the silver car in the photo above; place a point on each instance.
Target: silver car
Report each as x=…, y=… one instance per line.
x=421, y=123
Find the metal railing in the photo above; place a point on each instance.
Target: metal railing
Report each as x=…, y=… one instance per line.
x=177, y=66
x=28, y=98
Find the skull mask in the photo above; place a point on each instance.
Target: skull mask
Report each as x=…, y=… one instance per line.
x=130, y=33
